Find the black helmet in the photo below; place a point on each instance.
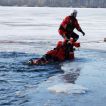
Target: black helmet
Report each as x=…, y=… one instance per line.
x=74, y=13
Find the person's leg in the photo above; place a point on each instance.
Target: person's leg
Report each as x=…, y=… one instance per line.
x=68, y=36
x=43, y=60
x=68, y=49
x=75, y=36
x=51, y=58
x=47, y=57
x=62, y=33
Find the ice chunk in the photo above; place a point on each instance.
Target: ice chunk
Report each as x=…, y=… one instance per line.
x=68, y=88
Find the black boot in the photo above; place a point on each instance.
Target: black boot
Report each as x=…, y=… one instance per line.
x=30, y=62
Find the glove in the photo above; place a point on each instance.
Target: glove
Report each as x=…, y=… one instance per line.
x=83, y=33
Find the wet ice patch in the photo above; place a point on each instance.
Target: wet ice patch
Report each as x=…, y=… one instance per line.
x=66, y=82
x=68, y=88
x=57, y=84
x=70, y=66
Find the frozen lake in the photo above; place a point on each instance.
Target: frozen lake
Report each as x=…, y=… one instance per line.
x=28, y=32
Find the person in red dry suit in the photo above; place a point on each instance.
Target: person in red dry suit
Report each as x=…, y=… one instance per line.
x=58, y=53
x=68, y=25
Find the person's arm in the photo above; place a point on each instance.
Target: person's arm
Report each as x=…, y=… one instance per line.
x=79, y=28
x=65, y=37
x=65, y=22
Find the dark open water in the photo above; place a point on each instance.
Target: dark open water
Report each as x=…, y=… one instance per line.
x=19, y=83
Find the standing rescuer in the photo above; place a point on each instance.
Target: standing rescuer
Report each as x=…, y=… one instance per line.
x=68, y=25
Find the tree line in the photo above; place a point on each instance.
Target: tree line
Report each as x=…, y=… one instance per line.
x=55, y=3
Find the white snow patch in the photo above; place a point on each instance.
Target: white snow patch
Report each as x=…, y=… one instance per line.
x=68, y=88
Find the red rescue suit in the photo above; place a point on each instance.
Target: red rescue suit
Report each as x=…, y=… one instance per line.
x=59, y=51
x=68, y=25
x=57, y=54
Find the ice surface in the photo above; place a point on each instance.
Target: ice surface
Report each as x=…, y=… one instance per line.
x=32, y=24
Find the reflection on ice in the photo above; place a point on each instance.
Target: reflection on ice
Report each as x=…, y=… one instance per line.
x=71, y=77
